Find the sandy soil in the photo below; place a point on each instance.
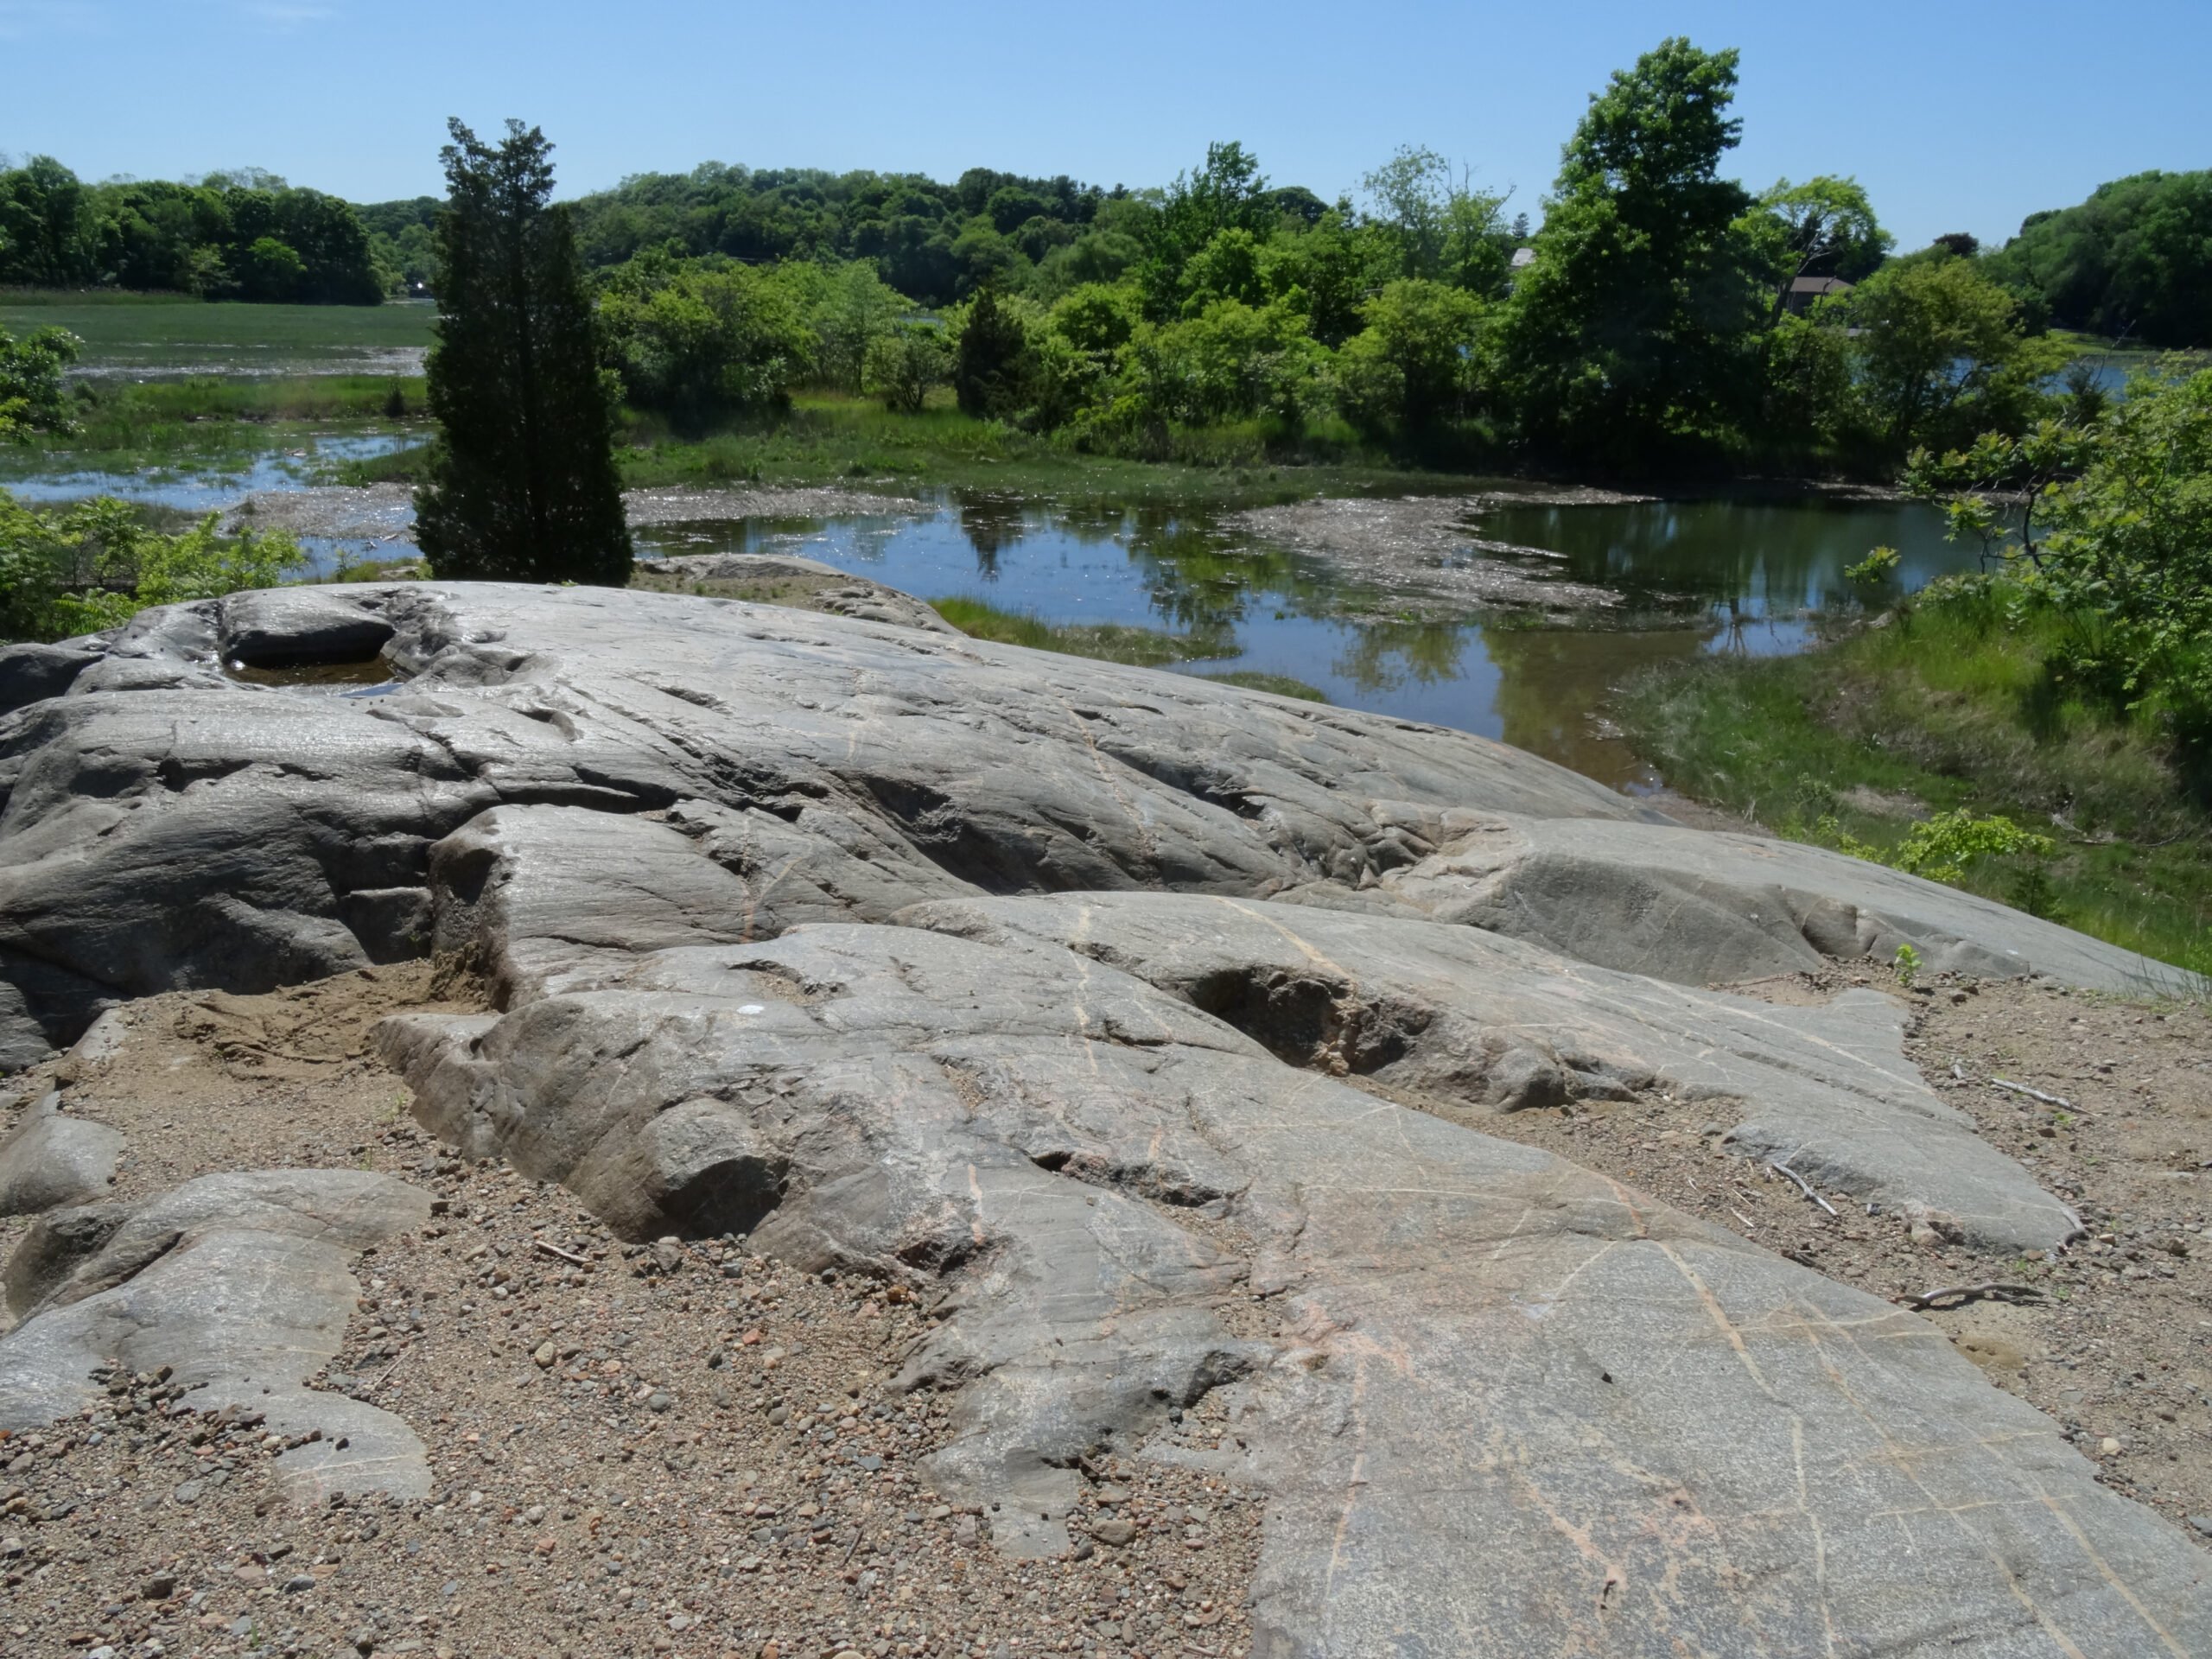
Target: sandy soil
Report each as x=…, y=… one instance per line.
x=672, y=506
x=669, y=1449
x=683, y=1449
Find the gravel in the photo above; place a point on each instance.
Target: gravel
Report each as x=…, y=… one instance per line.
x=630, y=1496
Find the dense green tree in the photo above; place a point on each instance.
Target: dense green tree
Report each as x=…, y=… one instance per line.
x=849, y=307
x=1633, y=331
x=696, y=339
x=1413, y=364
x=2116, y=536
x=1442, y=229
x=1932, y=341
x=904, y=363
x=1823, y=227
x=1228, y=192
x=43, y=215
x=521, y=483
x=270, y=269
x=990, y=371
x=1328, y=272
x=2134, y=259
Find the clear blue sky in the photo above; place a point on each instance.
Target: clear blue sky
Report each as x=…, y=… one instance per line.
x=1955, y=114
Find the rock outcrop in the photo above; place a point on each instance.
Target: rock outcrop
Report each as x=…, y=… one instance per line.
x=51, y=1159
x=239, y=1284
x=1152, y=1024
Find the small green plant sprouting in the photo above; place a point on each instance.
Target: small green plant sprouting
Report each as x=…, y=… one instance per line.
x=2030, y=890
x=1907, y=965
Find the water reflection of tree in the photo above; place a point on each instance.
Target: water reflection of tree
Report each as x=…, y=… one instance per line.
x=992, y=522
x=1760, y=555
x=1204, y=578
x=1382, y=657
x=1199, y=578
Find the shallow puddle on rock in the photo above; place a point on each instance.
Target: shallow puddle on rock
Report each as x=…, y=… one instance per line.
x=347, y=679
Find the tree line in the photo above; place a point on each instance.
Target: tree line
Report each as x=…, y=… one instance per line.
x=1657, y=318
x=242, y=236
x=2135, y=259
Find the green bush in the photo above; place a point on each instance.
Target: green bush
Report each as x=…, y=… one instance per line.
x=98, y=565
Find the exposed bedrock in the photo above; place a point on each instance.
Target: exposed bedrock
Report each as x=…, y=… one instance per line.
x=51, y=1158
x=778, y=578
x=1702, y=907
x=1499, y=1404
x=1452, y=1017
x=164, y=824
x=1148, y=1026
x=241, y=1285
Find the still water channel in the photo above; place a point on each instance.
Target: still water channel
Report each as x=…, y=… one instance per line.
x=1694, y=577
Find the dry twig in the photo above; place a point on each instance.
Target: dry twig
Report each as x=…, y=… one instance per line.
x=555, y=1250
x=2033, y=1094
x=1806, y=1185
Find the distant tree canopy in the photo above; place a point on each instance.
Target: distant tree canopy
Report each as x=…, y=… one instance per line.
x=2134, y=259
x=244, y=236
x=1659, y=312
x=936, y=243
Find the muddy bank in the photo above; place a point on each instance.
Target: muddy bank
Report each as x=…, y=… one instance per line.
x=1431, y=547
x=386, y=511
x=676, y=506
x=378, y=512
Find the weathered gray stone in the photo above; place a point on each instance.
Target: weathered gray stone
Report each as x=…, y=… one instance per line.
x=52, y=1159
x=223, y=835
x=1502, y=1404
x=1455, y=1018
x=30, y=672
x=1702, y=907
x=765, y=901
x=783, y=578
x=239, y=1284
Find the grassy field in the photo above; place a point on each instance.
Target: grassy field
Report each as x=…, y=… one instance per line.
x=132, y=336
x=827, y=438
x=1949, y=707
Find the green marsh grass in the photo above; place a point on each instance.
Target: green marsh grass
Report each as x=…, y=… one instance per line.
x=1949, y=705
x=147, y=334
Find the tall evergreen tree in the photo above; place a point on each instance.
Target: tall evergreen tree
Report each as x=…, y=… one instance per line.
x=990, y=371
x=522, y=484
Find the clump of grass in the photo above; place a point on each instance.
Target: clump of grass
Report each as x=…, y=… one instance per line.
x=1111, y=642
x=1949, y=707
x=1281, y=685
x=398, y=466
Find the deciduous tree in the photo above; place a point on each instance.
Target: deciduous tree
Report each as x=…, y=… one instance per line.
x=1634, y=328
